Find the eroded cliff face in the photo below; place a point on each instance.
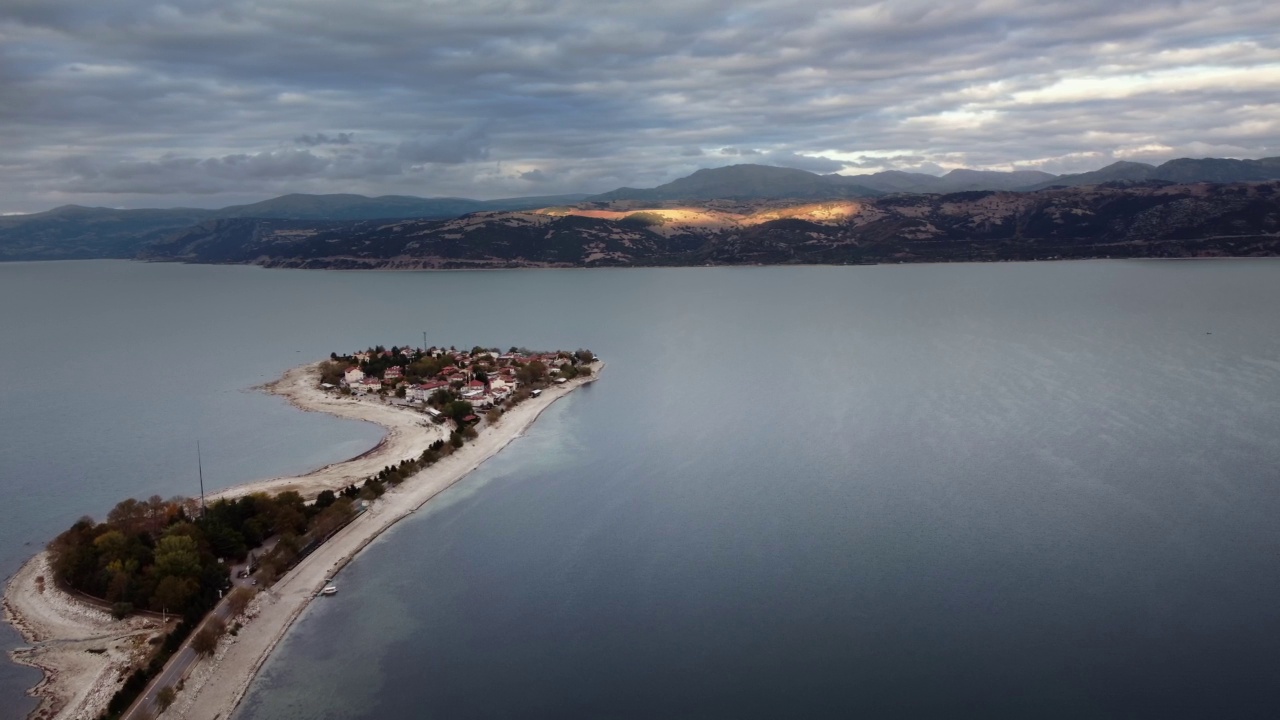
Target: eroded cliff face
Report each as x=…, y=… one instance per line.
x=1154, y=220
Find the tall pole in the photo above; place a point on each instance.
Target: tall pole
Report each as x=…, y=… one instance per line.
x=200, y=468
x=424, y=341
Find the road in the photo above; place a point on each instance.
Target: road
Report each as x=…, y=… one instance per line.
x=146, y=706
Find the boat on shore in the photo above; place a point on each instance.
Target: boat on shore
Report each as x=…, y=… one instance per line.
x=329, y=590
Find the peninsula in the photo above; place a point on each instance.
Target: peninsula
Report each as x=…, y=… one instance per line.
x=445, y=411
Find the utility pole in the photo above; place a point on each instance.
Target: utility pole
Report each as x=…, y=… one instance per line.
x=200, y=469
x=424, y=341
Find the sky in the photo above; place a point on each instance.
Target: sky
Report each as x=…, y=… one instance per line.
x=206, y=103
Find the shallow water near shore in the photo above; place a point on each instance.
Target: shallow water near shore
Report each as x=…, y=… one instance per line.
x=1006, y=490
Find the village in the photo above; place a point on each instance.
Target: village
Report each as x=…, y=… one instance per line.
x=447, y=383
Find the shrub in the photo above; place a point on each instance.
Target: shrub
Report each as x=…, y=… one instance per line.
x=165, y=697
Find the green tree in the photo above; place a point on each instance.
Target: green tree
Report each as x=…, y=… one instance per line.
x=532, y=373
x=173, y=594
x=325, y=499
x=177, y=556
x=458, y=409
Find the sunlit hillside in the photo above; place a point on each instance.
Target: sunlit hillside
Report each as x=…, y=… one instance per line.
x=675, y=220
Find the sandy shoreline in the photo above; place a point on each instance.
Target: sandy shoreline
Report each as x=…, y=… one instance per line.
x=81, y=650
x=62, y=630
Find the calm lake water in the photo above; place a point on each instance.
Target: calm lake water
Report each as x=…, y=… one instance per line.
x=1008, y=490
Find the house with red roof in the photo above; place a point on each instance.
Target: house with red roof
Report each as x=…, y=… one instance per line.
x=352, y=376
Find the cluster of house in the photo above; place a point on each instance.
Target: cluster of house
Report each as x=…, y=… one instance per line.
x=498, y=372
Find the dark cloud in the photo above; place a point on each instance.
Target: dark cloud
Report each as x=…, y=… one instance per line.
x=534, y=175
x=342, y=138
x=469, y=143
x=210, y=99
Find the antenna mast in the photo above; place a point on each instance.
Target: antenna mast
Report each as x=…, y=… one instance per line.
x=200, y=469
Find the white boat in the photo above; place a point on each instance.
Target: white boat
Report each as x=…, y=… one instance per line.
x=329, y=590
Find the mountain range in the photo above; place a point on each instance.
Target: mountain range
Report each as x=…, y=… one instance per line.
x=74, y=232
x=1143, y=220
x=736, y=191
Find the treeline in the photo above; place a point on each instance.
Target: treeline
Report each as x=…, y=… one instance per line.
x=167, y=555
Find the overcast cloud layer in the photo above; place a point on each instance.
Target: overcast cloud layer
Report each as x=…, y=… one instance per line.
x=210, y=102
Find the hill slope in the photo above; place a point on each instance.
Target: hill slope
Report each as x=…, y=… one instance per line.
x=75, y=232
x=1181, y=170
x=1142, y=221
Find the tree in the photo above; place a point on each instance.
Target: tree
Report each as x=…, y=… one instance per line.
x=531, y=373
x=206, y=641
x=325, y=499
x=458, y=409
x=165, y=697
x=177, y=556
x=128, y=516
x=238, y=600
x=173, y=594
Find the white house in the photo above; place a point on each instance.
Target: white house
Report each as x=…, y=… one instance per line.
x=422, y=392
x=353, y=375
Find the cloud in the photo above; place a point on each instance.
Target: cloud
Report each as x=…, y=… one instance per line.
x=171, y=174
x=201, y=101
x=342, y=138
x=469, y=143
x=534, y=175
x=816, y=164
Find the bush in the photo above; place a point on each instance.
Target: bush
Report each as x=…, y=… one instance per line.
x=165, y=697
x=121, y=610
x=238, y=600
x=206, y=641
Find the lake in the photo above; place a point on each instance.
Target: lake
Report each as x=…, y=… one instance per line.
x=1002, y=490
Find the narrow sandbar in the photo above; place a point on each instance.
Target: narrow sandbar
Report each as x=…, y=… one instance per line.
x=79, y=683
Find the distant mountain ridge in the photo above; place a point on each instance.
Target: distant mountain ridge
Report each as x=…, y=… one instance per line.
x=76, y=232
x=764, y=182
x=1109, y=220
x=1181, y=170
x=359, y=207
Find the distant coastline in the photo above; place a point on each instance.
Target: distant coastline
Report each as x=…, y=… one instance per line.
x=81, y=650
